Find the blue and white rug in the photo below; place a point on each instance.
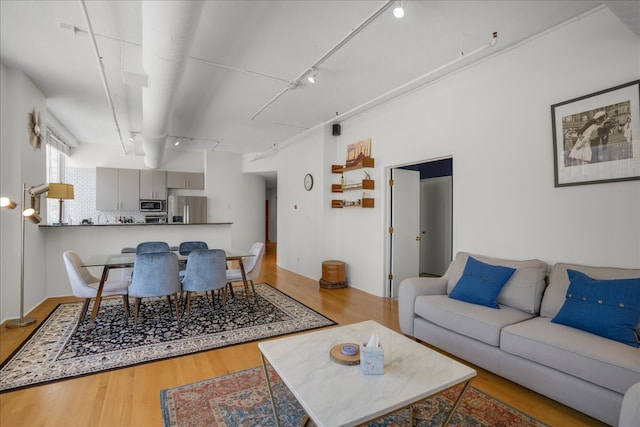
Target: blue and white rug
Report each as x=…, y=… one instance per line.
x=53, y=354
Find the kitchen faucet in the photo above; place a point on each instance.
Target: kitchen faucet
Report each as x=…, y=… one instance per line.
x=106, y=218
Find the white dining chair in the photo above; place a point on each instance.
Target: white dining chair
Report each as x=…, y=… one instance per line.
x=251, y=267
x=85, y=285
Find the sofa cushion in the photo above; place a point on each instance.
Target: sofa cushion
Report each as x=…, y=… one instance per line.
x=471, y=320
x=609, y=308
x=481, y=283
x=523, y=291
x=599, y=360
x=554, y=295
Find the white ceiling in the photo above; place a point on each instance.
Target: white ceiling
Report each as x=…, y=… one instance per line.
x=245, y=53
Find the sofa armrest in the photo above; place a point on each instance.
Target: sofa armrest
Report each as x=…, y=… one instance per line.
x=408, y=291
x=630, y=411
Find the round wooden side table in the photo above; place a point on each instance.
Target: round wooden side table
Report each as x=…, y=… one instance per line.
x=334, y=275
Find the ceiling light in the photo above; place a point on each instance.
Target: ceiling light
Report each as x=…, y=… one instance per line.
x=398, y=10
x=132, y=136
x=177, y=142
x=311, y=78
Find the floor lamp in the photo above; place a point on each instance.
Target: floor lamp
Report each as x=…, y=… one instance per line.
x=32, y=214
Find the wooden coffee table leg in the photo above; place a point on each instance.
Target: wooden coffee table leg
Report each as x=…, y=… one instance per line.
x=457, y=403
x=273, y=402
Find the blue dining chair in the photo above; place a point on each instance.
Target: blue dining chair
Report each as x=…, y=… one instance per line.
x=206, y=271
x=150, y=247
x=155, y=274
x=185, y=248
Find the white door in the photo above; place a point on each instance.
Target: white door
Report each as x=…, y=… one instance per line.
x=405, y=220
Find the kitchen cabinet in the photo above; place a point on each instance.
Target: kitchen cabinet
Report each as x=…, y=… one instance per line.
x=153, y=184
x=117, y=189
x=185, y=180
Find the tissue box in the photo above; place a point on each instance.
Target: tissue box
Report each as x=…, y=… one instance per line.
x=372, y=360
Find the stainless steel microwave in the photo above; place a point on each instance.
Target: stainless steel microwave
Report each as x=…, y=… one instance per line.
x=153, y=206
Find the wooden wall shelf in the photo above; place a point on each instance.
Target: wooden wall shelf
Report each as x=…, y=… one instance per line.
x=361, y=203
x=367, y=162
x=366, y=184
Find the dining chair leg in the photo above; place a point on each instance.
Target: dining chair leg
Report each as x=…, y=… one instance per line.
x=125, y=303
x=187, y=303
x=170, y=308
x=136, y=309
x=175, y=302
x=83, y=313
x=253, y=288
x=231, y=289
x=224, y=302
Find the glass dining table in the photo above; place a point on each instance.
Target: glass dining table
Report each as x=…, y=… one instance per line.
x=111, y=261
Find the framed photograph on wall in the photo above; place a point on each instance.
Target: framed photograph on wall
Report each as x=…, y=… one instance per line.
x=596, y=137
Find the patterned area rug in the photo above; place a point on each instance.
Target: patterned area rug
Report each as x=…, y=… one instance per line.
x=242, y=399
x=52, y=354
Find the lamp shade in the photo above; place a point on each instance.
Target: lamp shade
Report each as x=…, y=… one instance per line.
x=60, y=191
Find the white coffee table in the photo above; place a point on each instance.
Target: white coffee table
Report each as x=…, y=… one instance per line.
x=333, y=394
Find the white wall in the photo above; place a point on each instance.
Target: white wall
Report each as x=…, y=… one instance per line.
x=19, y=163
x=493, y=118
x=236, y=197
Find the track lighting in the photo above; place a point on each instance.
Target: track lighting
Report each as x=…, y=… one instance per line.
x=398, y=10
x=311, y=78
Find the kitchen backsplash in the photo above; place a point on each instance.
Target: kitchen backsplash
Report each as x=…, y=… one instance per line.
x=83, y=206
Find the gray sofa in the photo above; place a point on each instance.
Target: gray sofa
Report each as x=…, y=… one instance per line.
x=518, y=341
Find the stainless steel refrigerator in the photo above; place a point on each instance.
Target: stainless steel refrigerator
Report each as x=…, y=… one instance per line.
x=187, y=210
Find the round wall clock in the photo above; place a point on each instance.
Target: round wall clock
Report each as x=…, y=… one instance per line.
x=308, y=182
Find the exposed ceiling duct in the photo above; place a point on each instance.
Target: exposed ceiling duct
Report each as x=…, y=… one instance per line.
x=168, y=30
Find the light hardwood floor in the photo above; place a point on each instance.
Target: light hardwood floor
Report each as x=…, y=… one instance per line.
x=131, y=396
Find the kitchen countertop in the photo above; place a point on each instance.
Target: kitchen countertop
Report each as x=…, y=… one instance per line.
x=128, y=224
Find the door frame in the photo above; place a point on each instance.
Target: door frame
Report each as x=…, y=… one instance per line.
x=388, y=268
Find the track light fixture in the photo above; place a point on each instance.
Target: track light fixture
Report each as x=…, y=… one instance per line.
x=398, y=10
x=313, y=73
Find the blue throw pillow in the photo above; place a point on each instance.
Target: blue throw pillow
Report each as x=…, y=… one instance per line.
x=481, y=283
x=609, y=308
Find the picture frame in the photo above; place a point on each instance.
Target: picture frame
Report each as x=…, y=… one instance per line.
x=357, y=151
x=596, y=137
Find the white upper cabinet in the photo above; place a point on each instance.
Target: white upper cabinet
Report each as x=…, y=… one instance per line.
x=153, y=184
x=185, y=180
x=117, y=189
